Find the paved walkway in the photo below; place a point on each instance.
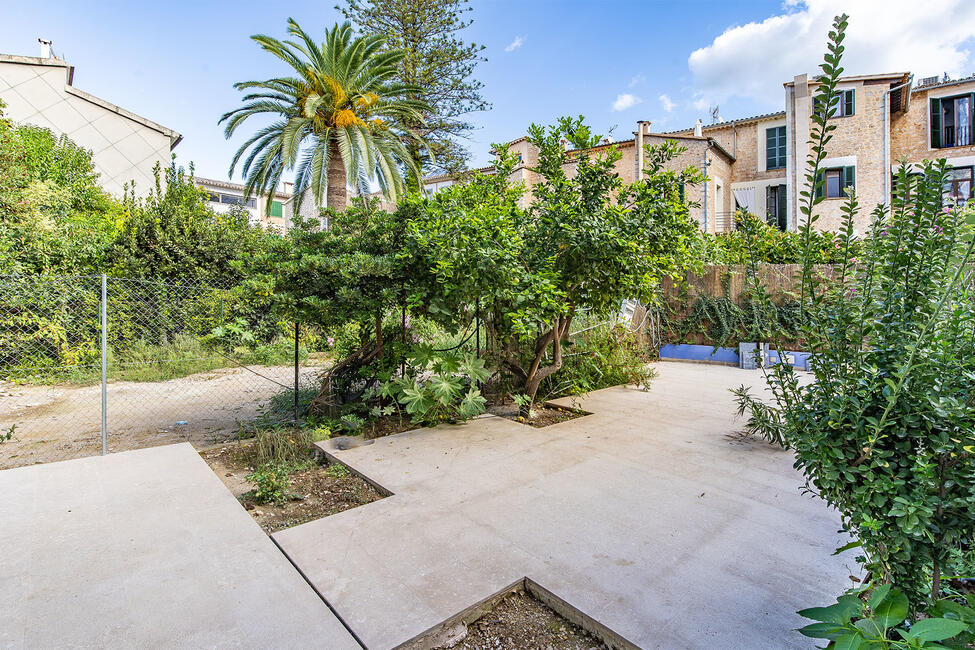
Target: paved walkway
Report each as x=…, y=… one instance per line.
x=145, y=549
x=645, y=516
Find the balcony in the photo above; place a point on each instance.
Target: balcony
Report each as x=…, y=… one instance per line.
x=724, y=221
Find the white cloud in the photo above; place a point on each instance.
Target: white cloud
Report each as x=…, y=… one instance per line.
x=515, y=44
x=636, y=81
x=667, y=104
x=755, y=59
x=625, y=101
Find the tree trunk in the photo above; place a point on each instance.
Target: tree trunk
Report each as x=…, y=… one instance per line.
x=336, y=194
x=535, y=373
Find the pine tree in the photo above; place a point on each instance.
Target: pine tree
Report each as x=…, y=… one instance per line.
x=438, y=61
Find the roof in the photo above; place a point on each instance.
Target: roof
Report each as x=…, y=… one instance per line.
x=604, y=145
x=883, y=76
x=677, y=136
x=174, y=137
x=436, y=178
x=740, y=120
x=944, y=84
x=227, y=185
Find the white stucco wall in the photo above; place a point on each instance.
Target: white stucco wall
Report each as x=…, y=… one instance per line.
x=125, y=146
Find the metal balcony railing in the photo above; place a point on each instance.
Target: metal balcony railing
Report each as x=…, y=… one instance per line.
x=724, y=221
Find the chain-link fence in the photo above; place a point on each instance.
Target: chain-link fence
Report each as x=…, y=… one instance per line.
x=93, y=364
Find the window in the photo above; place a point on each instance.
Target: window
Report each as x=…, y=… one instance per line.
x=957, y=189
x=277, y=209
x=236, y=199
x=951, y=121
x=832, y=183
x=214, y=197
x=775, y=147
x=845, y=105
x=775, y=207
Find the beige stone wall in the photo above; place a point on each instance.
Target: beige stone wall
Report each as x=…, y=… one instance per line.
x=625, y=167
x=719, y=172
x=910, y=133
x=124, y=147
x=858, y=141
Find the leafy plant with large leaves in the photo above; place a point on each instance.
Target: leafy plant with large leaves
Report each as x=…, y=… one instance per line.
x=338, y=119
x=853, y=622
x=886, y=430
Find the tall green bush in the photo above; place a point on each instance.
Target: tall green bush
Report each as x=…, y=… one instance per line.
x=886, y=431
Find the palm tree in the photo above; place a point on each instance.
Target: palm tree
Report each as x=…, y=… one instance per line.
x=338, y=119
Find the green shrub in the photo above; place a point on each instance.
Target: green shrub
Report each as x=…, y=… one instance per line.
x=272, y=484
x=879, y=622
x=754, y=241
x=441, y=387
x=886, y=430
x=603, y=357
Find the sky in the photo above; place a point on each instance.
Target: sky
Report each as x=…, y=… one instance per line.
x=615, y=62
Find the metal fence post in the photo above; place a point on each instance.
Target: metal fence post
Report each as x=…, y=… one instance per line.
x=104, y=319
x=297, y=334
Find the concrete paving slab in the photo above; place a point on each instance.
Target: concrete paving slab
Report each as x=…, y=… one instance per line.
x=645, y=515
x=145, y=549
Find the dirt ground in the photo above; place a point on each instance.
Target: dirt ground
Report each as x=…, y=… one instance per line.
x=60, y=422
x=319, y=491
x=521, y=622
x=544, y=415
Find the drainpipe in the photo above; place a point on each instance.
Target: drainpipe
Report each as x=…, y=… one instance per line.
x=706, y=165
x=886, y=135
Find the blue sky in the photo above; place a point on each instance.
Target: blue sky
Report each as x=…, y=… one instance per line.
x=175, y=62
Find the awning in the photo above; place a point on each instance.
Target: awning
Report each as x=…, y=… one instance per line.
x=745, y=198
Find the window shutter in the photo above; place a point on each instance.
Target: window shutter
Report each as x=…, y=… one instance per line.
x=781, y=208
x=820, y=183
x=770, y=148
x=849, y=102
x=849, y=177
x=681, y=192
x=936, y=123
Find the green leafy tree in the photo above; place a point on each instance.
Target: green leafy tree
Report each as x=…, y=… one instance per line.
x=885, y=432
x=54, y=218
x=174, y=235
x=342, y=118
x=437, y=62
x=587, y=242
x=350, y=272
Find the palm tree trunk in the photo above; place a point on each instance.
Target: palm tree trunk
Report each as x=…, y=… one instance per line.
x=336, y=193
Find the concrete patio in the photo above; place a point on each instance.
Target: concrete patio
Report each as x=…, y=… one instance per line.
x=145, y=549
x=646, y=515
x=649, y=516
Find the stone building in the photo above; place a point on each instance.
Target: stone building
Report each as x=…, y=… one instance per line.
x=758, y=163
x=125, y=146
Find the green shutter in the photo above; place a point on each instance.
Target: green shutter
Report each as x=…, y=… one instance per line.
x=681, y=191
x=277, y=209
x=820, y=183
x=849, y=101
x=770, y=148
x=781, y=209
x=849, y=177
x=935, y=122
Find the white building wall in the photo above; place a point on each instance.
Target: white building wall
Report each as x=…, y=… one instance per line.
x=125, y=147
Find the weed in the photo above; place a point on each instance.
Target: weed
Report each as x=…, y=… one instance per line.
x=272, y=484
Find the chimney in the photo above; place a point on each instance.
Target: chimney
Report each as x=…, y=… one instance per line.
x=697, y=129
x=45, y=48
x=289, y=187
